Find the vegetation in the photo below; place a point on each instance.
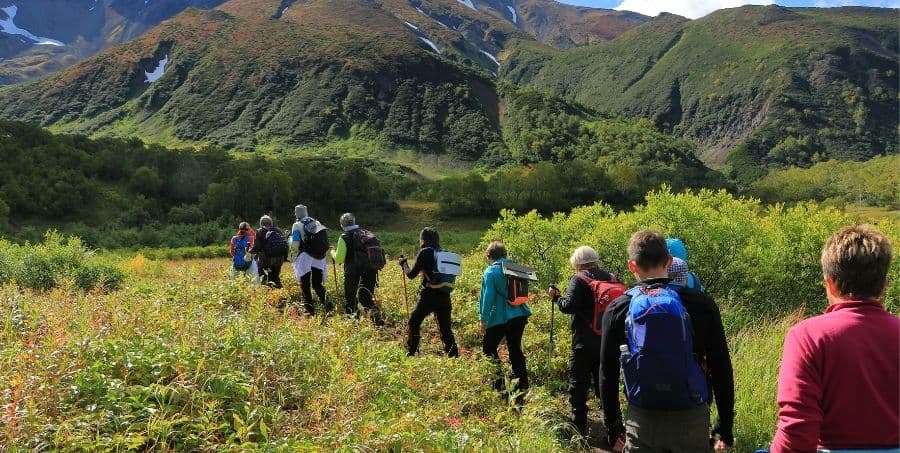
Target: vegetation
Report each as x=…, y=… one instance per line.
x=57, y=262
x=872, y=183
x=182, y=358
x=756, y=87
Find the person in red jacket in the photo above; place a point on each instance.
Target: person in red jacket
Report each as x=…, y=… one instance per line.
x=839, y=384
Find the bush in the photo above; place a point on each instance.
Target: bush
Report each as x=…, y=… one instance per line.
x=757, y=261
x=56, y=260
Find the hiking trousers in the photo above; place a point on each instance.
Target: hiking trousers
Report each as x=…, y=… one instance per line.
x=584, y=374
x=313, y=280
x=437, y=302
x=512, y=331
x=270, y=271
x=656, y=431
x=359, y=289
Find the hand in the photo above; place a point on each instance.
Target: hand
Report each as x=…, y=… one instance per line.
x=719, y=441
x=553, y=292
x=619, y=446
x=401, y=261
x=721, y=446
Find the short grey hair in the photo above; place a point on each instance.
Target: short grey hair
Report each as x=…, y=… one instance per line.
x=584, y=255
x=348, y=219
x=265, y=221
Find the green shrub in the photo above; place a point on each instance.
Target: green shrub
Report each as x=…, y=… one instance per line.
x=53, y=262
x=757, y=261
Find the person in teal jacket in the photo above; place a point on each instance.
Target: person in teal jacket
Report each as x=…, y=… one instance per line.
x=501, y=320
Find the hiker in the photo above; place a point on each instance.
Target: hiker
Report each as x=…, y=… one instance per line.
x=678, y=271
x=270, y=249
x=668, y=390
x=309, y=245
x=840, y=373
x=239, y=249
x=360, y=267
x=434, y=294
x=501, y=320
x=584, y=360
x=678, y=250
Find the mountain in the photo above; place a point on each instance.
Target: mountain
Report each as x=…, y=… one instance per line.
x=38, y=37
x=755, y=87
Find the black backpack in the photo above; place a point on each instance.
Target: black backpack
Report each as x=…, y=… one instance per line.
x=367, y=252
x=275, y=245
x=315, y=241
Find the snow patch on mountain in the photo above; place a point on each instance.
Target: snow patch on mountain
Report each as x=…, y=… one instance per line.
x=493, y=58
x=158, y=71
x=430, y=44
x=411, y=26
x=515, y=17
x=9, y=27
x=468, y=3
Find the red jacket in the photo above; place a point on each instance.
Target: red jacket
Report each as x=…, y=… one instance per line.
x=839, y=381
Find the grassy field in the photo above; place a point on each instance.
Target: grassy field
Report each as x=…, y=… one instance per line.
x=183, y=358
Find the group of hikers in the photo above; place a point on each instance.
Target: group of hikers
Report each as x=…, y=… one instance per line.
x=839, y=381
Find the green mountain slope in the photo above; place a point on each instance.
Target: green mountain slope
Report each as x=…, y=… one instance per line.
x=753, y=86
x=245, y=82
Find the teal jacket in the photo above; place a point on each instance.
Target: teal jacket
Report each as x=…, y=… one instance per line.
x=494, y=308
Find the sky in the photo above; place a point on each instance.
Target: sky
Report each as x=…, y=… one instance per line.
x=698, y=8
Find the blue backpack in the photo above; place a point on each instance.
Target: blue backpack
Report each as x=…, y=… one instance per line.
x=240, y=249
x=660, y=368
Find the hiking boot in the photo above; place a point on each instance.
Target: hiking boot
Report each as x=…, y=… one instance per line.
x=377, y=319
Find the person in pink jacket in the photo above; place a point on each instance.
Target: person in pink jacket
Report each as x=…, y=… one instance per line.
x=839, y=384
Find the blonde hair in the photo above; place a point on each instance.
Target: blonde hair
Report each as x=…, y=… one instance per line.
x=857, y=259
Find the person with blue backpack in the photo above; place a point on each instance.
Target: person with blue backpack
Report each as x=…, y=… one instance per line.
x=501, y=319
x=434, y=293
x=669, y=343
x=239, y=249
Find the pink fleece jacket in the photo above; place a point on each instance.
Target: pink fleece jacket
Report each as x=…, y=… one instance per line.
x=839, y=385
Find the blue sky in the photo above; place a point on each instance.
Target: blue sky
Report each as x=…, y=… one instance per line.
x=698, y=8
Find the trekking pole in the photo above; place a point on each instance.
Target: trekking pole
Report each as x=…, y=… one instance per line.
x=405, y=292
x=337, y=293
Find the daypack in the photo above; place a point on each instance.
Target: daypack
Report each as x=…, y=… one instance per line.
x=660, y=368
x=605, y=292
x=447, y=266
x=315, y=238
x=275, y=245
x=367, y=252
x=695, y=283
x=241, y=247
x=517, y=279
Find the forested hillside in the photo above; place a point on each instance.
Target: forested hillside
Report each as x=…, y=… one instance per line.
x=755, y=87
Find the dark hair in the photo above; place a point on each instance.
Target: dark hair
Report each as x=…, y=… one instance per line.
x=648, y=249
x=430, y=237
x=496, y=250
x=857, y=259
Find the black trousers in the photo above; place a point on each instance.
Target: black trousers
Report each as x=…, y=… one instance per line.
x=359, y=287
x=584, y=373
x=512, y=331
x=270, y=271
x=313, y=280
x=437, y=302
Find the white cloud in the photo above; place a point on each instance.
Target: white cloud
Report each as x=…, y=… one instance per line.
x=688, y=8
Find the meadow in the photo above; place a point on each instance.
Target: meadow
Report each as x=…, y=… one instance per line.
x=176, y=356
